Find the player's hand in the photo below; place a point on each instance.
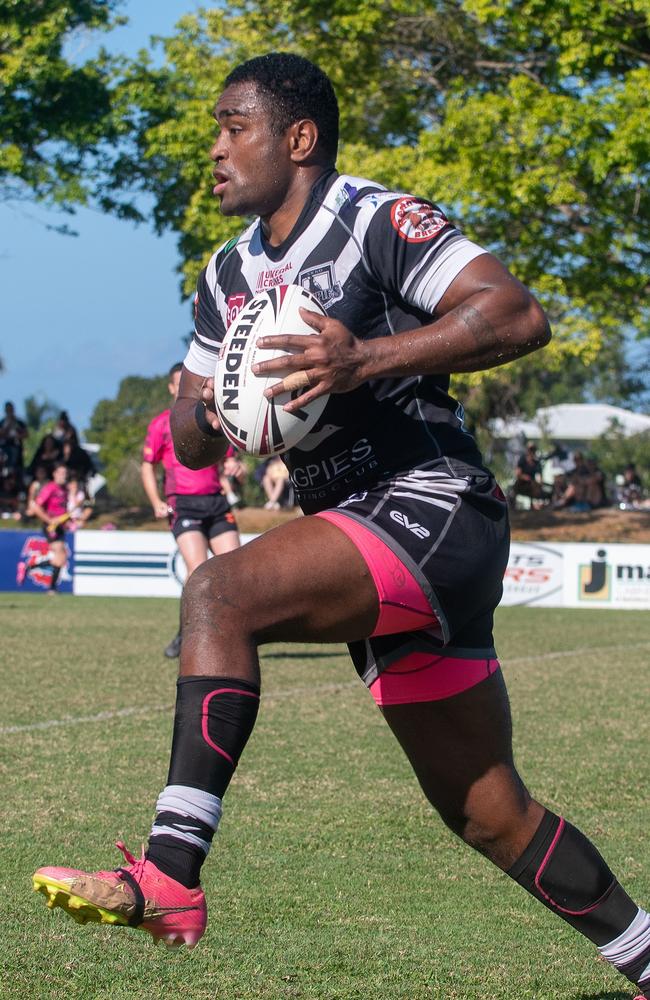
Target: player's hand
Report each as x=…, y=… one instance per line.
x=160, y=509
x=329, y=361
x=235, y=468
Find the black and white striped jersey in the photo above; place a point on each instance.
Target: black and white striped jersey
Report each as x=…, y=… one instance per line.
x=379, y=261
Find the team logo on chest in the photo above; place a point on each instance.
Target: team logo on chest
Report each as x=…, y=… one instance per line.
x=321, y=282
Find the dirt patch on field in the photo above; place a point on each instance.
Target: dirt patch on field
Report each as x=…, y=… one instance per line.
x=610, y=525
x=535, y=525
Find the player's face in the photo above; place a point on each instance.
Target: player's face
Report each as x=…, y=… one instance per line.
x=252, y=167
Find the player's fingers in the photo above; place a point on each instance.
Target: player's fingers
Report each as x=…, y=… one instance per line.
x=286, y=342
x=278, y=366
x=297, y=380
x=316, y=320
x=207, y=390
x=307, y=397
x=294, y=381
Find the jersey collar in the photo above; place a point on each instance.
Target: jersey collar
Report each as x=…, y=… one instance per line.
x=310, y=208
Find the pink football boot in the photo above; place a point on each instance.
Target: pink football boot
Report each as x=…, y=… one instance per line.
x=138, y=895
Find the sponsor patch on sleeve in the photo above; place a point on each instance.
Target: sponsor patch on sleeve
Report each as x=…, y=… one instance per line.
x=417, y=221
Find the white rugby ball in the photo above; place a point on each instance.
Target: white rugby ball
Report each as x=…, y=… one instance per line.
x=251, y=422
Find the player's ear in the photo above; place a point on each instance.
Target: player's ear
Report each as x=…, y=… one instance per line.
x=303, y=138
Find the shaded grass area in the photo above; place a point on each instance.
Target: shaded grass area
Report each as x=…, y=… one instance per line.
x=330, y=878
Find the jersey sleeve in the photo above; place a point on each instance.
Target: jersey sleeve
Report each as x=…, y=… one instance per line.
x=209, y=330
x=152, y=449
x=45, y=495
x=414, y=251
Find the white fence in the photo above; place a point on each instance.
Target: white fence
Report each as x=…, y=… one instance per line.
x=599, y=575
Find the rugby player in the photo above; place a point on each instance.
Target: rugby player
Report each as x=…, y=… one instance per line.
x=406, y=539
x=50, y=507
x=199, y=515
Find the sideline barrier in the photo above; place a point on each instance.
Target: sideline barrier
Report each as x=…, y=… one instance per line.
x=148, y=564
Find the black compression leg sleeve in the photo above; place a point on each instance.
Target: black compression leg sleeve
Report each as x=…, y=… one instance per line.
x=563, y=869
x=214, y=719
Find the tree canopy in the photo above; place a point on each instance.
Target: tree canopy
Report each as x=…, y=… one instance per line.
x=119, y=426
x=54, y=113
x=526, y=121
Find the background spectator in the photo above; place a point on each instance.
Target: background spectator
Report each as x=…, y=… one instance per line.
x=233, y=476
x=48, y=454
x=63, y=429
x=629, y=492
x=76, y=459
x=595, y=490
x=528, y=475
x=12, y=435
x=41, y=477
x=79, y=505
x=273, y=476
x=10, y=492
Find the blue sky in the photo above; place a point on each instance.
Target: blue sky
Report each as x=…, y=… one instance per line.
x=77, y=314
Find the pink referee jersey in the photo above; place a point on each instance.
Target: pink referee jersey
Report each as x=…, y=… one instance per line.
x=158, y=447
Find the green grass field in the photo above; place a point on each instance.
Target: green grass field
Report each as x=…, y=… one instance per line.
x=330, y=877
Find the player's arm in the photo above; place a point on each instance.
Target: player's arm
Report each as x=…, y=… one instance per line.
x=485, y=318
x=197, y=436
x=150, y=484
x=39, y=512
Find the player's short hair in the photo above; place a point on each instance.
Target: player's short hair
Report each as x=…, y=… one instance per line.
x=297, y=89
x=178, y=367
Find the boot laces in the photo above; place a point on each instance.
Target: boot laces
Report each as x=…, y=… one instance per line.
x=136, y=865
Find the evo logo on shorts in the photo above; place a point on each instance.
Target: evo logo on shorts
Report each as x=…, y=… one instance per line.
x=412, y=526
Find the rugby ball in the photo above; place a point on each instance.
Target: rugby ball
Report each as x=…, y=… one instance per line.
x=252, y=423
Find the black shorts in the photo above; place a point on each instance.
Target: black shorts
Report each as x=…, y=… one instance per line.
x=210, y=514
x=452, y=534
x=57, y=534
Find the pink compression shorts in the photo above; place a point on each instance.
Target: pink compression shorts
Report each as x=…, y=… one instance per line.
x=403, y=607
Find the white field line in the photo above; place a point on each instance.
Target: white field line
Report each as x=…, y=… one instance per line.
x=125, y=713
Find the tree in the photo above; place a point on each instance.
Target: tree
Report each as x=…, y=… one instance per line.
x=119, y=425
x=40, y=412
x=526, y=120
x=55, y=116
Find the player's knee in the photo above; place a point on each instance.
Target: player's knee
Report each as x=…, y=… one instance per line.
x=212, y=594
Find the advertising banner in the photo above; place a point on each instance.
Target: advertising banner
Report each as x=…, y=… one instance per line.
x=535, y=575
x=25, y=564
x=148, y=564
x=606, y=576
x=129, y=564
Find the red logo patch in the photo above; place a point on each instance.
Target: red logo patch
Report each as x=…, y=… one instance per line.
x=235, y=305
x=416, y=221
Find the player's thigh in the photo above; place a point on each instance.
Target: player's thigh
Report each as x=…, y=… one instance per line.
x=461, y=751
x=58, y=554
x=193, y=547
x=302, y=581
x=225, y=541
